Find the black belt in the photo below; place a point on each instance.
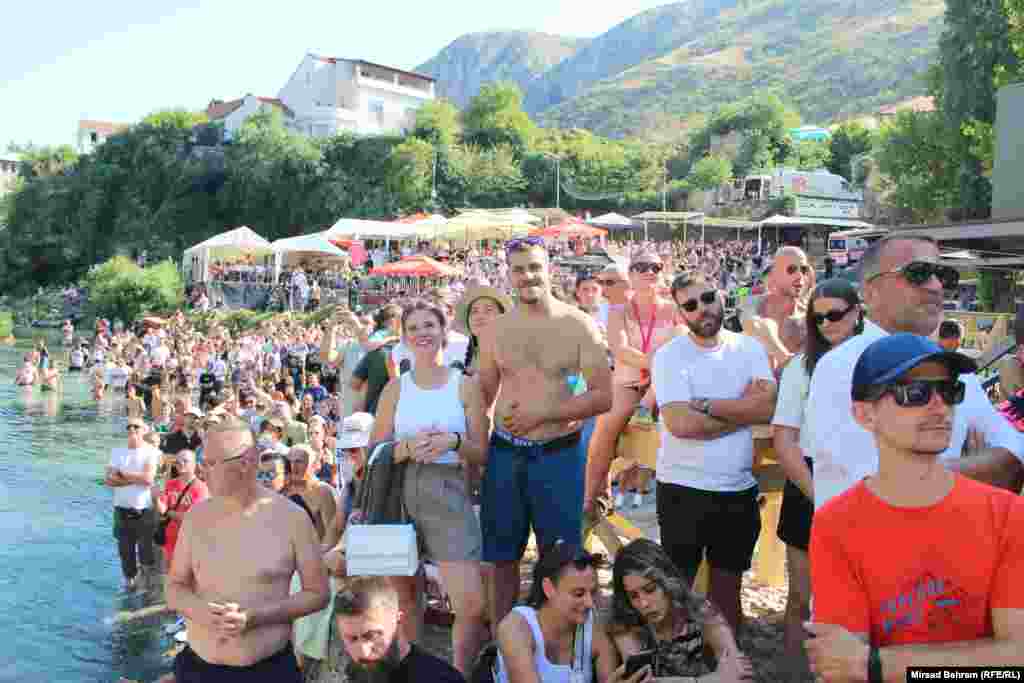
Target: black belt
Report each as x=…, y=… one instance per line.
x=131, y=513
x=558, y=443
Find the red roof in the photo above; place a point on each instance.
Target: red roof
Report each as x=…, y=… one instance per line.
x=105, y=127
x=920, y=104
x=218, y=109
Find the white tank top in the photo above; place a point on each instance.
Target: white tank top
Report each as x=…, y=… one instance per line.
x=441, y=409
x=546, y=671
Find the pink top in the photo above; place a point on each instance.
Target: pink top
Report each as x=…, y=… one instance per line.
x=640, y=332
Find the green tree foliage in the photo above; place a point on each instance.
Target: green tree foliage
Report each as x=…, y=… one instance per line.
x=848, y=142
x=175, y=118
x=47, y=160
x=496, y=117
x=485, y=178
x=916, y=158
x=709, y=173
x=120, y=289
x=409, y=170
x=437, y=122
x=808, y=155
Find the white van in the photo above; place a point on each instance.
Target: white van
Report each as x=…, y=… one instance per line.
x=847, y=248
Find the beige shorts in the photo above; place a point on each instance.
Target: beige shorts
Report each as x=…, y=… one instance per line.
x=439, y=505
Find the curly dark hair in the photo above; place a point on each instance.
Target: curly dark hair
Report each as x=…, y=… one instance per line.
x=648, y=559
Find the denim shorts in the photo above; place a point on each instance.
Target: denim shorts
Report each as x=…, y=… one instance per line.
x=531, y=485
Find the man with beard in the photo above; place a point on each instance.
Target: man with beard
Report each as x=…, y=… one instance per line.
x=536, y=465
x=903, y=284
x=946, y=587
x=368, y=619
x=711, y=386
x=777, y=318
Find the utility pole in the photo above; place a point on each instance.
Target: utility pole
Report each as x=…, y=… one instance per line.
x=558, y=183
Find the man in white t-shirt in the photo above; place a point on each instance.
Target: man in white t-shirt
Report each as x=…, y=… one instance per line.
x=130, y=474
x=117, y=374
x=711, y=386
x=903, y=286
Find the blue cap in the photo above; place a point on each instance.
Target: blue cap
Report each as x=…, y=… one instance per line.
x=889, y=358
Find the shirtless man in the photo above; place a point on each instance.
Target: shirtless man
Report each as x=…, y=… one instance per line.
x=535, y=469
x=777, y=318
x=233, y=564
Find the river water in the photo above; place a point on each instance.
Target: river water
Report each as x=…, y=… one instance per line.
x=62, y=611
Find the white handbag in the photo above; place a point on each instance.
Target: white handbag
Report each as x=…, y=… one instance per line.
x=381, y=549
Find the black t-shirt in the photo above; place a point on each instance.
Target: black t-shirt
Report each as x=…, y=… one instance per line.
x=373, y=369
x=420, y=665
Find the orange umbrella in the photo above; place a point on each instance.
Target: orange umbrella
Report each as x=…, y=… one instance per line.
x=570, y=228
x=415, y=266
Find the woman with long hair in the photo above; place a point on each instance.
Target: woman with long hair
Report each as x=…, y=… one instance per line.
x=834, y=314
x=654, y=609
x=479, y=307
x=634, y=333
x=440, y=424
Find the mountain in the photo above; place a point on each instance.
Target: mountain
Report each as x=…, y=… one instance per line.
x=830, y=58
x=478, y=58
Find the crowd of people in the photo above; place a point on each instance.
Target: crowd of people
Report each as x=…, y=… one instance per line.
x=500, y=405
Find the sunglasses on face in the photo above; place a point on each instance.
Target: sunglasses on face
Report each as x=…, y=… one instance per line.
x=707, y=298
x=267, y=476
x=919, y=393
x=831, y=316
x=646, y=268
x=133, y=428
x=919, y=273
x=794, y=269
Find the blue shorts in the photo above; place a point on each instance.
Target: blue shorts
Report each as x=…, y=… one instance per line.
x=536, y=485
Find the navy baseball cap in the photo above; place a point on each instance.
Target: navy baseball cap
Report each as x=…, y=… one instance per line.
x=888, y=358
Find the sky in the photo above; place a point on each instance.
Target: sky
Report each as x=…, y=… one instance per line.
x=118, y=60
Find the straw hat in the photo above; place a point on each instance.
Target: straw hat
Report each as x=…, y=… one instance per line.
x=478, y=291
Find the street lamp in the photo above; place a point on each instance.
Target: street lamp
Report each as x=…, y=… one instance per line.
x=558, y=177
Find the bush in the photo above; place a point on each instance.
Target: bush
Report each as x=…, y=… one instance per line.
x=120, y=289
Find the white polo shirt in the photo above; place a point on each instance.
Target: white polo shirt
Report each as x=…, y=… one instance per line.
x=683, y=371
x=844, y=452
x=134, y=461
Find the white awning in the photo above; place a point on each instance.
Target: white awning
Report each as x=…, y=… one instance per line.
x=354, y=228
x=809, y=220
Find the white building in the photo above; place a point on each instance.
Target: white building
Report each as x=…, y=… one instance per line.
x=330, y=95
x=91, y=133
x=233, y=114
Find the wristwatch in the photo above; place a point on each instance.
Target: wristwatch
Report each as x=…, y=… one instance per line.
x=703, y=405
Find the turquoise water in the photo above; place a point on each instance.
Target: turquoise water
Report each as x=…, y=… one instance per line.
x=60, y=578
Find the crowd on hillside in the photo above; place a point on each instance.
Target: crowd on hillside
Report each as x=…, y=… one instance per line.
x=492, y=407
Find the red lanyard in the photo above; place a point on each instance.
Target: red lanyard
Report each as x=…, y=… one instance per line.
x=645, y=339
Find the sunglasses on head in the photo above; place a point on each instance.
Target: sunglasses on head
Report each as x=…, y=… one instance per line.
x=523, y=243
x=707, y=298
x=646, y=268
x=919, y=273
x=832, y=316
x=918, y=393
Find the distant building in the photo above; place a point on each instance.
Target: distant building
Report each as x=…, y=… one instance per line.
x=9, y=163
x=329, y=95
x=91, y=133
x=232, y=114
x=915, y=104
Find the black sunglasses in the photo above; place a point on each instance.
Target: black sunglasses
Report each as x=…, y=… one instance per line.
x=132, y=428
x=646, y=268
x=803, y=270
x=918, y=273
x=832, y=316
x=707, y=298
x=919, y=392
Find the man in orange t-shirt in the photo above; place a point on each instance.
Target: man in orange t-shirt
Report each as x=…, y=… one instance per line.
x=917, y=565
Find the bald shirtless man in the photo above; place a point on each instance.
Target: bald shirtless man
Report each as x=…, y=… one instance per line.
x=233, y=564
x=777, y=318
x=535, y=468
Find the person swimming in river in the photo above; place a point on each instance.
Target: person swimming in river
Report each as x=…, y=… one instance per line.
x=27, y=374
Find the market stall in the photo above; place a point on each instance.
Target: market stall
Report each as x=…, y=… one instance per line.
x=232, y=251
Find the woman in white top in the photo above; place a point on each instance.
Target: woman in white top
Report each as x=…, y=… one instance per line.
x=554, y=637
x=834, y=315
x=438, y=418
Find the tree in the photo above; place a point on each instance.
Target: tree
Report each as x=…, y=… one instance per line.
x=175, y=118
x=120, y=289
x=44, y=161
x=485, y=178
x=409, y=170
x=808, y=155
x=437, y=122
x=709, y=173
x=915, y=156
x=495, y=117
x=848, y=142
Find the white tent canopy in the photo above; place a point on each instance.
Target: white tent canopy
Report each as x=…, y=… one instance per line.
x=612, y=220
x=316, y=242
x=353, y=228
x=233, y=243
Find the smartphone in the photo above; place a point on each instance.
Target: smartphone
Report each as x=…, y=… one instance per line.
x=638, y=661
